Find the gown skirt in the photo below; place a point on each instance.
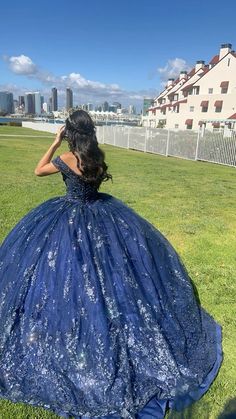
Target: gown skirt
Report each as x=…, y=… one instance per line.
x=98, y=316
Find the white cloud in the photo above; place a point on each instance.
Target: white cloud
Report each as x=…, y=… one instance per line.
x=172, y=69
x=21, y=65
x=16, y=90
x=84, y=89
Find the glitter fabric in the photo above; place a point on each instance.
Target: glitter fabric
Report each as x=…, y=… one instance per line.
x=97, y=312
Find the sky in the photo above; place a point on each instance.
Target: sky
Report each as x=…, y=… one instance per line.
x=105, y=50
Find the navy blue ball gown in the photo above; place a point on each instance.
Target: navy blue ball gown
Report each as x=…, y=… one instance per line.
x=98, y=316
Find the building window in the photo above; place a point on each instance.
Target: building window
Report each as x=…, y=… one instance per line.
x=204, y=105
x=191, y=108
x=228, y=62
x=210, y=91
x=218, y=105
x=176, y=97
x=189, y=123
x=224, y=86
x=196, y=90
x=176, y=126
x=176, y=109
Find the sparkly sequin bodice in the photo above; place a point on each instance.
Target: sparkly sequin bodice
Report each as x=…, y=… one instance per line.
x=76, y=186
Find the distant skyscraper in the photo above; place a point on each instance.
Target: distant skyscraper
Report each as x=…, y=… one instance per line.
x=112, y=108
x=37, y=101
x=6, y=103
x=132, y=109
x=45, y=107
x=117, y=104
x=147, y=103
x=50, y=105
x=30, y=103
x=105, y=106
x=16, y=104
x=89, y=106
x=21, y=100
x=54, y=99
x=69, y=99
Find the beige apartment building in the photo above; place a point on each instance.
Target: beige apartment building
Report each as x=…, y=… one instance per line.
x=206, y=96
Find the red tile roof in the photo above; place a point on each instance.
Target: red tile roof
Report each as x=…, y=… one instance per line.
x=167, y=105
x=205, y=70
x=214, y=60
x=154, y=108
x=187, y=87
x=232, y=116
x=180, y=101
x=192, y=72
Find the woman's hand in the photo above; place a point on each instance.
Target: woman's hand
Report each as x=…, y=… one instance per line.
x=59, y=136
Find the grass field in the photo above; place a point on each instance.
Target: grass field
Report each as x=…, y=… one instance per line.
x=192, y=203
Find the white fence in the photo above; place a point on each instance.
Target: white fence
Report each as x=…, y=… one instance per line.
x=216, y=147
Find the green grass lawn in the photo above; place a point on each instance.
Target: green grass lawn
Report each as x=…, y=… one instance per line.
x=192, y=203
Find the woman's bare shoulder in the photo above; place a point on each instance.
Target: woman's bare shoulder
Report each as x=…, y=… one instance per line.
x=69, y=158
x=68, y=155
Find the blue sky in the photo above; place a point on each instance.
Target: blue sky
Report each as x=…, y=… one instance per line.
x=106, y=50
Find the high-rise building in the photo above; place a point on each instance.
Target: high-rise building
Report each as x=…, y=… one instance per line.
x=30, y=103
x=50, y=104
x=45, y=107
x=16, y=104
x=105, y=106
x=21, y=100
x=6, y=103
x=117, y=104
x=147, y=103
x=37, y=101
x=112, y=108
x=54, y=99
x=89, y=106
x=69, y=99
x=132, y=110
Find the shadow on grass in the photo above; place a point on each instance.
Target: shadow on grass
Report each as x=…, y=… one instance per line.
x=203, y=411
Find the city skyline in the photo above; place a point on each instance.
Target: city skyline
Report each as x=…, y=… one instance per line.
x=33, y=103
x=122, y=57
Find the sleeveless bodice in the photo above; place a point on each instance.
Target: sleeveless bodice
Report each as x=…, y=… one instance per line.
x=76, y=186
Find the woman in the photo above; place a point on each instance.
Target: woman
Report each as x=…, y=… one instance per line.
x=98, y=314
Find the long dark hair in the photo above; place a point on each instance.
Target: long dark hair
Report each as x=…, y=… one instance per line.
x=80, y=133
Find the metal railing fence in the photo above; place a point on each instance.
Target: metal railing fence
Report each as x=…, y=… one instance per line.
x=216, y=147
